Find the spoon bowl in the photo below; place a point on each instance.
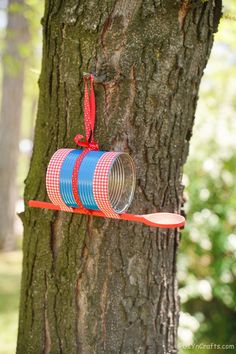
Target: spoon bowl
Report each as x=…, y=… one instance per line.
x=164, y=220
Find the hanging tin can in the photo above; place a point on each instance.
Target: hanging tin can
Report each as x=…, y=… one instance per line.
x=106, y=180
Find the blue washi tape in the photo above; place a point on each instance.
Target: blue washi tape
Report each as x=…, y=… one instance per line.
x=85, y=179
x=66, y=172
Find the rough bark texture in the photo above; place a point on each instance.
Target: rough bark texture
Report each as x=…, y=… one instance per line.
x=100, y=286
x=10, y=121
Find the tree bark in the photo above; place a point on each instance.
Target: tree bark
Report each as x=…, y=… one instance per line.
x=92, y=285
x=10, y=122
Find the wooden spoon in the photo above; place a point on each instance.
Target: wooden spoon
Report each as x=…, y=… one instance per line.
x=161, y=220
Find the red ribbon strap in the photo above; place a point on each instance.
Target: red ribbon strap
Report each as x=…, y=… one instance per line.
x=92, y=106
x=89, y=116
x=89, y=144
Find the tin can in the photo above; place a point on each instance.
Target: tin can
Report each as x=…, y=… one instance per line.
x=106, y=180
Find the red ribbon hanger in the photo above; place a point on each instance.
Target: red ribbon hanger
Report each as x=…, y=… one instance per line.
x=89, y=144
x=89, y=117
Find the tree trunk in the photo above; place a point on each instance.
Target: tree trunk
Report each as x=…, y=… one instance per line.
x=92, y=285
x=11, y=109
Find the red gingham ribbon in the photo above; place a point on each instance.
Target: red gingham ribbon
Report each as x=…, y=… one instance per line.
x=89, y=144
x=89, y=109
x=89, y=117
x=101, y=175
x=100, y=183
x=53, y=178
x=75, y=178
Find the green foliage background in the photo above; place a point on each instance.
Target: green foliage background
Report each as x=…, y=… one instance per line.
x=207, y=257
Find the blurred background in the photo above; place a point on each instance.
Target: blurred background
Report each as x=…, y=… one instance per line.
x=207, y=255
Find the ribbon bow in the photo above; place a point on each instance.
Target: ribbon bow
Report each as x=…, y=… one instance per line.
x=89, y=117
